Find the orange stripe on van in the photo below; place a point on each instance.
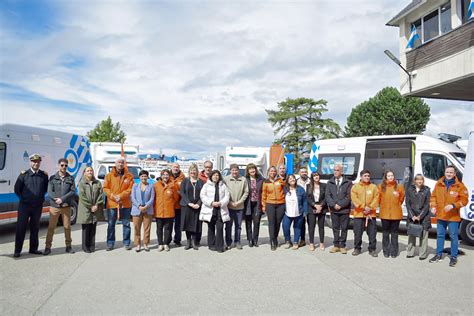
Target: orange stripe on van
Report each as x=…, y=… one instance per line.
x=14, y=214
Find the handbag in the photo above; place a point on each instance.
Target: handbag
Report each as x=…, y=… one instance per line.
x=415, y=230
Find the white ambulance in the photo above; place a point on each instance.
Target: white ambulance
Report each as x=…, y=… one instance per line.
x=406, y=155
x=17, y=142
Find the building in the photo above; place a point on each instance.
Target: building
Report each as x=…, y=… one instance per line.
x=441, y=62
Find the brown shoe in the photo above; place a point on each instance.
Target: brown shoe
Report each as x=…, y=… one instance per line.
x=344, y=251
x=302, y=243
x=335, y=249
x=311, y=247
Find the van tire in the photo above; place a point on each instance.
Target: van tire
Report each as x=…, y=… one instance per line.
x=73, y=212
x=466, y=230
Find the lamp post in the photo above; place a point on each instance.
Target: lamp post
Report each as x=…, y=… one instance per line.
x=399, y=63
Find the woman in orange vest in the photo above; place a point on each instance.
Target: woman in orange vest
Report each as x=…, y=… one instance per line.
x=166, y=196
x=449, y=196
x=273, y=204
x=391, y=197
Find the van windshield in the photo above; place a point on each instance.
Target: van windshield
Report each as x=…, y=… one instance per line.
x=460, y=157
x=133, y=170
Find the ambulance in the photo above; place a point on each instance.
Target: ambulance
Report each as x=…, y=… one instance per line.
x=18, y=142
x=406, y=155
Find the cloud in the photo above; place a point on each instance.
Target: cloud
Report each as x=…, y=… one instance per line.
x=193, y=76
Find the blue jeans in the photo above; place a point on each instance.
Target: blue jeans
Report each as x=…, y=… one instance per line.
x=112, y=220
x=297, y=224
x=441, y=235
x=236, y=220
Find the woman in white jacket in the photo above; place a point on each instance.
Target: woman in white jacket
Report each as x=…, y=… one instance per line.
x=215, y=197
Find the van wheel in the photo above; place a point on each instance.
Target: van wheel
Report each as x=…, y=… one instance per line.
x=73, y=212
x=466, y=230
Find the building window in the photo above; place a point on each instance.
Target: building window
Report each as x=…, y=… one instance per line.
x=433, y=24
x=445, y=18
x=430, y=26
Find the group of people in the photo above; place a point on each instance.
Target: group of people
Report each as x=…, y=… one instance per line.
x=182, y=203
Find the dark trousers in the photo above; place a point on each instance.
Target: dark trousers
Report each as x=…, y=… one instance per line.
x=27, y=217
x=303, y=231
x=359, y=227
x=177, y=226
x=275, y=214
x=252, y=223
x=88, y=236
x=236, y=221
x=314, y=219
x=164, y=228
x=215, y=233
x=191, y=236
x=340, y=223
x=390, y=237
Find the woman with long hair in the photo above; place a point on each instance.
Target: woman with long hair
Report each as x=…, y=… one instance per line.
x=253, y=204
x=296, y=205
x=391, y=197
x=317, y=209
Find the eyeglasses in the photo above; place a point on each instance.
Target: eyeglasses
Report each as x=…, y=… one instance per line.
x=63, y=165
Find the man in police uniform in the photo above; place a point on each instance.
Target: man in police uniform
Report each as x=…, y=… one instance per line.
x=31, y=186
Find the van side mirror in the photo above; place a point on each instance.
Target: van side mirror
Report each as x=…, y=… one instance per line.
x=152, y=176
x=101, y=176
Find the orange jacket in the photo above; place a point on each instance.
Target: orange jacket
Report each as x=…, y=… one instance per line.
x=457, y=195
x=273, y=192
x=391, y=202
x=362, y=195
x=177, y=182
x=118, y=185
x=165, y=199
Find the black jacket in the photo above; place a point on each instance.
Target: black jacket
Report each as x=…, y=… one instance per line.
x=418, y=203
x=341, y=197
x=64, y=188
x=322, y=198
x=31, y=187
x=247, y=204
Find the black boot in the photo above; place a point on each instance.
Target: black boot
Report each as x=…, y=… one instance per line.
x=188, y=245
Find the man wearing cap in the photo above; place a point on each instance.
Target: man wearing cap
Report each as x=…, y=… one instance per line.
x=30, y=187
x=61, y=191
x=118, y=185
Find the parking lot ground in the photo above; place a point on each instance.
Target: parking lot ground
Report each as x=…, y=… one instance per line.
x=248, y=281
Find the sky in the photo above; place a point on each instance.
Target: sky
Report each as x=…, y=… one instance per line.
x=192, y=77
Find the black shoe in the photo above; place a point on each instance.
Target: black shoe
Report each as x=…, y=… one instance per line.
x=47, y=251
x=177, y=243
x=36, y=252
x=386, y=256
x=195, y=246
x=16, y=255
x=70, y=250
x=86, y=250
x=273, y=247
x=394, y=256
x=250, y=243
x=356, y=252
x=109, y=248
x=436, y=258
x=422, y=258
x=221, y=250
x=255, y=243
x=197, y=243
x=373, y=254
x=92, y=249
x=453, y=262
x=212, y=249
x=410, y=256
x=188, y=245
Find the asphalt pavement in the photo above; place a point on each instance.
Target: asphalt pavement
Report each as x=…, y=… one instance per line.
x=248, y=281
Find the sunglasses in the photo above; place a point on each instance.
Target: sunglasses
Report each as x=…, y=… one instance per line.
x=63, y=165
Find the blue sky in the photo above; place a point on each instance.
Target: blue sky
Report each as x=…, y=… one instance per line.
x=192, y=77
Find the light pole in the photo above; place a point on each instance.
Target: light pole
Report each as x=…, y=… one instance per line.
x=399, y=63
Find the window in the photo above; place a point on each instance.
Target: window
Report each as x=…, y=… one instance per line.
x=133, y=170
x=3, y=155
x=460, y=157
x=430, y=26
x=464, y=10
x=434, y=164
x=327, y=162
x=445, y=18
x=433, y=24
x=102, y=172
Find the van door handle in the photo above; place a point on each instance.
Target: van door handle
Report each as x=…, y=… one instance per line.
x=3, y=181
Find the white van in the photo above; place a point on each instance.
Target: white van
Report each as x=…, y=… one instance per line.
x=406, y=155
x=242, y=156
x=18, y=142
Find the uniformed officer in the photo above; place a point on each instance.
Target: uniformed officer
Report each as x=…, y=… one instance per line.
x=31, y=186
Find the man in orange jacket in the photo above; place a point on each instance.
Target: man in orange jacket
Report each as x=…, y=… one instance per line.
x=118, y=188
x=448, y=197
x=177, y=176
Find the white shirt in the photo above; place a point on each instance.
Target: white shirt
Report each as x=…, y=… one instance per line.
x=316, y=193
x=291, y=201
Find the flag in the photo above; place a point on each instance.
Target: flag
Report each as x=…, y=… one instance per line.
x=122, y=150
x=470, y=10
x=413, y=37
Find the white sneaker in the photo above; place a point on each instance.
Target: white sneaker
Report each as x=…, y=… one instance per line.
x=167, y=248
x=161, y=248
x=137, y=249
